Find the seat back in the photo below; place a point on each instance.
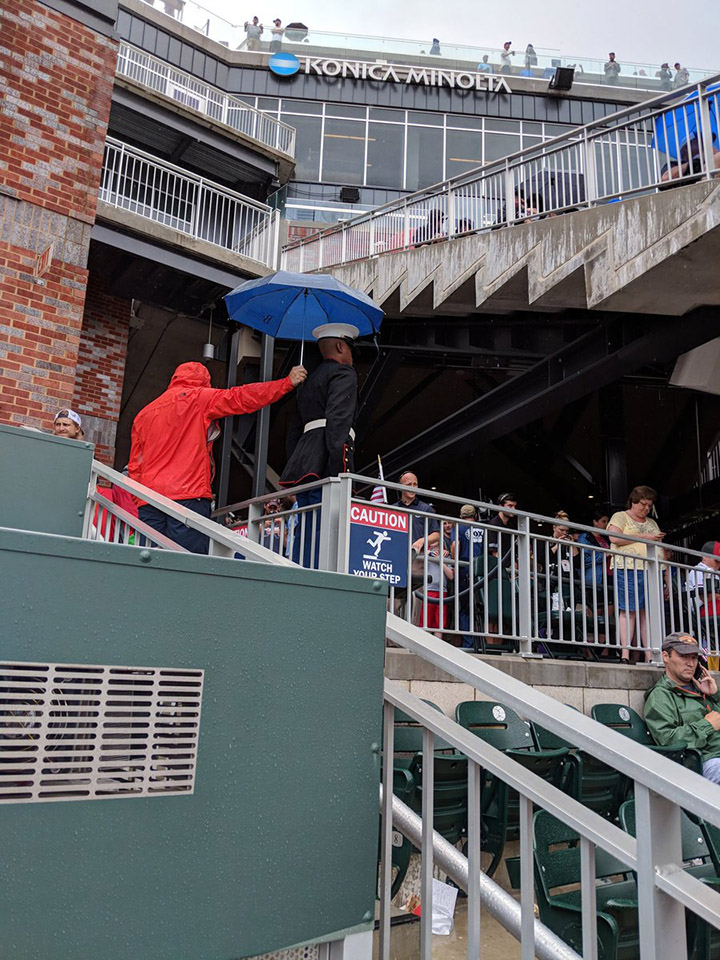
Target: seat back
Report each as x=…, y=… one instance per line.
x=694, y=843
x=624, y=719
x=496, y=724
x=409, y=733
x=557, y=855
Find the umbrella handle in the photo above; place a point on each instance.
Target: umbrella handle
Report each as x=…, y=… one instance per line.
x=302, y=350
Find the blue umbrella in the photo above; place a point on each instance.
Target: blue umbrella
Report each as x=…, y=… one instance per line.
x=290, y=305
x=679, y=126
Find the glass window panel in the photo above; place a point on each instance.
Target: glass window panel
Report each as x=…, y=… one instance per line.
x=307, y=146
x=301, y=106
x=499, y=145
x=464, y=151
x=529, y=126
x=386, y=147
x=505, y=126
x=345, y=110
x=343, y=151
x=433, y=119
x=424, y=157
x=555, y=129
x=530, y=141
x=268, y=103
x=465, y=123
x=395, y=116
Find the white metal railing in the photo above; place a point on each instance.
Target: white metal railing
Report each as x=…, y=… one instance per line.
x=605, y=161
x=663, y=889
x=534, y=585
x=159, y=191
x=184, y=88
x=633, y=74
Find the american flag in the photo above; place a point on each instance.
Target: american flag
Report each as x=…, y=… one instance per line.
x=379, y=494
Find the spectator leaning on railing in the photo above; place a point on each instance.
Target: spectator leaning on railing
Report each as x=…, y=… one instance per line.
x=466, y=546
x=498, y=545
x=684, y=705
x=629, y=566
x=593, y=561
x=410, y=499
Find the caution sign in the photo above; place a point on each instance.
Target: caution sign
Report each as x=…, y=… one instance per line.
x=379, y=543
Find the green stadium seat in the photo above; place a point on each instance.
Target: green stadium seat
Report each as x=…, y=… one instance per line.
x=586, y=779
x=557, y=891
x=503, y=729
x=703, y=942
x=627, y=721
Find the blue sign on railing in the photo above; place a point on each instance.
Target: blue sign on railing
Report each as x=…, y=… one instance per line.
x=379, y=543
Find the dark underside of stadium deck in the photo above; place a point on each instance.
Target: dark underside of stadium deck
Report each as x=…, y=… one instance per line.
x=566, y=409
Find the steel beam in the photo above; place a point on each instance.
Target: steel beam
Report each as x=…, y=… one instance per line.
x=618, y=346
x=156, y=253
x=377, y=379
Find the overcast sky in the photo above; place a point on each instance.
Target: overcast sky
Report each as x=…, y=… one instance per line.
x=644, y=31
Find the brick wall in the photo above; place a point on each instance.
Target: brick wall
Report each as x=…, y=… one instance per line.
x=101, y=367
x=56, y=80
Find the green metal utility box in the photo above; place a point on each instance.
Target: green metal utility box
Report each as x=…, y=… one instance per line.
x=43, y=481
x=192, y=753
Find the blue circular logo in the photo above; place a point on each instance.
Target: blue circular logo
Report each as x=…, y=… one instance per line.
x=284, y=64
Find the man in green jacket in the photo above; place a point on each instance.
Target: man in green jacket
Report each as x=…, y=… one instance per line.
x=684, y=705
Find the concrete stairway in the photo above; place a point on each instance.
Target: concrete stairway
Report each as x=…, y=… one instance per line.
x=650, y=254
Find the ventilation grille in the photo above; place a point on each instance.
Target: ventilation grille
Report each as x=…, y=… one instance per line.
x=88, y=733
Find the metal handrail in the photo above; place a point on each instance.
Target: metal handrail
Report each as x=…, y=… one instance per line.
x=223, y=543
x=183, y=87
x=160, y=191
x=604, y=169
x=560, y=595
x=500, y=904
x=655, y=855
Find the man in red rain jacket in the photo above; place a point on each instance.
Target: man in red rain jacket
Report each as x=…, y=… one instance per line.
x=172, y=440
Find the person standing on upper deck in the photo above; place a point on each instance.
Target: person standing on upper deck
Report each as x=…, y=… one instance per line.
x=682, y=76
x=612, y=70
x=254, y=31
x=276, y=36
x=506, y=55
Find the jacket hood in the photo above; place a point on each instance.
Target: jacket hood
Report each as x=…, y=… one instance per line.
x=191, y=375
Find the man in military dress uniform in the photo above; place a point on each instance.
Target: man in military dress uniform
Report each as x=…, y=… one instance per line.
x=321, y=439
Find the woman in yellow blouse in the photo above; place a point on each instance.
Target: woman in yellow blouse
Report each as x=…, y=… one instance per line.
x=629, y=568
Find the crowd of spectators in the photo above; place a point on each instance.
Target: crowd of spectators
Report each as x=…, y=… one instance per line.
x=597, y=574
x=256, y=33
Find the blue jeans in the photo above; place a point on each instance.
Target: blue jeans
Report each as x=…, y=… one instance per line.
x=192, y=540
x=711, y=769
x=304, y=522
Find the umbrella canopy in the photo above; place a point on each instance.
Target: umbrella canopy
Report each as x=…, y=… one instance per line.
x=679, y=126
x=290, y=305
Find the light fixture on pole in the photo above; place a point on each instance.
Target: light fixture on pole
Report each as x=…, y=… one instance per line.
x=209, y=347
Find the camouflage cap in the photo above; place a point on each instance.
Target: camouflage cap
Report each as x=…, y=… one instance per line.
x=684, y=643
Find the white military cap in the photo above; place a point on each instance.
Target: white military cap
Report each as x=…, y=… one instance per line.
x=341, y=331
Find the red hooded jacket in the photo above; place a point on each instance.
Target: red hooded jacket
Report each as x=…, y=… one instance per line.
x=172, y=437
